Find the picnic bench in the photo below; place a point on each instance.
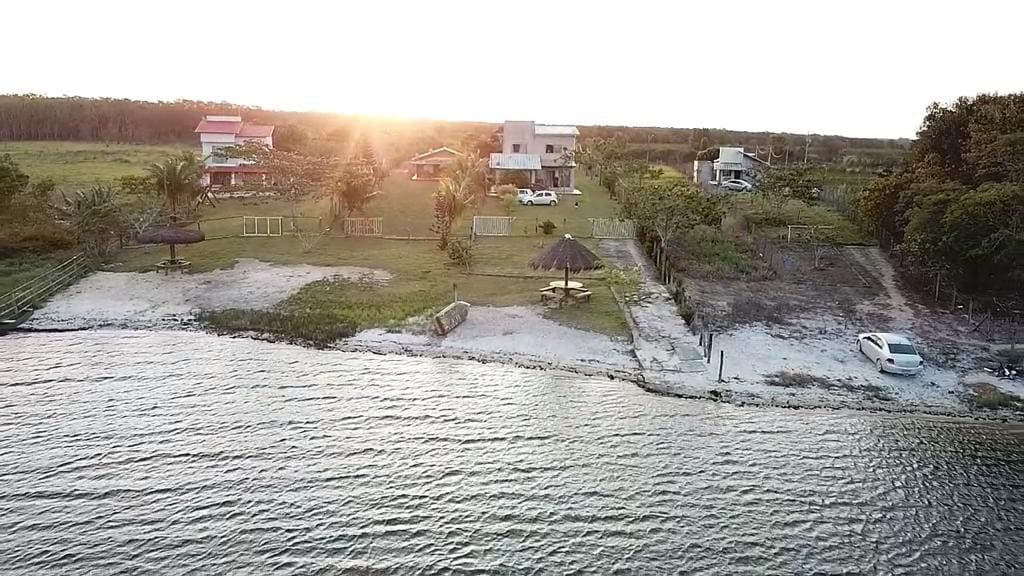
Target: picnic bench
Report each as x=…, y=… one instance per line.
x=573, y=291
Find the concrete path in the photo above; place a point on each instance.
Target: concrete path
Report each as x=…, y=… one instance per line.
x=664, y=344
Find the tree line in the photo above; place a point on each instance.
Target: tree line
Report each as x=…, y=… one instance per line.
x=956, y=206
x=31, y=117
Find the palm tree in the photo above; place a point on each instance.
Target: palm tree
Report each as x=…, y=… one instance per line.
x=94, y=217
x=178, y=178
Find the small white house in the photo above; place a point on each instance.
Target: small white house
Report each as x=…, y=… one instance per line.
x=544, y=151
x=219, y=132
x=734, y=162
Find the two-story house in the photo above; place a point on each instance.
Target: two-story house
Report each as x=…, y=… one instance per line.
x=219, y=132
x=545, y=152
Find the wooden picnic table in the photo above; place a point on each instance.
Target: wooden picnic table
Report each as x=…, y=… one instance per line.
x=566, y=286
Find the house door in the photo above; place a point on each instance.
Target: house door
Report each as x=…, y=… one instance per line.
x=554, y=179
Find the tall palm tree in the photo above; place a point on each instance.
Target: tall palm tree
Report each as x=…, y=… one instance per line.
x=178, y=178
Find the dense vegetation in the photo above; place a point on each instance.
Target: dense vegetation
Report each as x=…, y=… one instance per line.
x=957, y=206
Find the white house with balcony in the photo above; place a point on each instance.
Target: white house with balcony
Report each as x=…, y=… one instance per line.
x=735, y=163
x=219, y=132
x=543, y=151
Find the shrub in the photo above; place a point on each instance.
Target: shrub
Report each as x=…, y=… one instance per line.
x=509, y=202
x=505, y=190
x=517, y=178
x=461, y=252
x=547, y=227
x=626, y=280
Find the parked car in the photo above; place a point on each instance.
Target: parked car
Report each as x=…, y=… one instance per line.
x=890, y=353
x=544, y=197
x=737, y=185
x=522, y=194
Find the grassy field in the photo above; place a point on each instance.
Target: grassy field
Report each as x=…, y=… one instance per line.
x=567, y=217
x=423, y=277
x=407, y=210
x=76, y=165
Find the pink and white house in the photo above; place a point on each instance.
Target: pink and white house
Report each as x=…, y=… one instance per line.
x=219, y=132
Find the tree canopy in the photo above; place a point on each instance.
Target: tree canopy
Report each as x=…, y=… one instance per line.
x=957, y=205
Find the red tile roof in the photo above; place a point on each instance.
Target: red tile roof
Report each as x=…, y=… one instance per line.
x=255, y=130
x=214, y=127
x=242, y=129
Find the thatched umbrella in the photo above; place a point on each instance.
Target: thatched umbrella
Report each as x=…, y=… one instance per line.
x=171, y=236
x=567, y=254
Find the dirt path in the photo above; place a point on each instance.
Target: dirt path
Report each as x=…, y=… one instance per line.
x=891, y=302
x=664, y=344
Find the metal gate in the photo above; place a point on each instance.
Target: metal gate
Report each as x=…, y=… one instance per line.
x=492, y=225
x=612, y=228
x=363, y=226
x=262, y=226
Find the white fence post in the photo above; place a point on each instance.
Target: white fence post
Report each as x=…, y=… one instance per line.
x=492, y=225
x=612, y=228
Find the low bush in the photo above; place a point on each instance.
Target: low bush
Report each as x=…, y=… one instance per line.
x=547, y=227
x=320, y=330
x=461, y=252
x=706, y=252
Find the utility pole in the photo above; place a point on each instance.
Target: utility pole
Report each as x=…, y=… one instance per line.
x=807, y=147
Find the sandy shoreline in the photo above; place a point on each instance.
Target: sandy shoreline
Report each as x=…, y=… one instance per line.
x=661, y=360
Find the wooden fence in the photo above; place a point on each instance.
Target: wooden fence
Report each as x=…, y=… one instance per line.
x=492, y=225
x=38, y=289
x=612, y=228
x=262, y=226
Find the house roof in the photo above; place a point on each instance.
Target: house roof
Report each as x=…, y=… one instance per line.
x=552, y=130
x=734, y=155
x=236, y=127
x=515, y=161
x=255, y=130
x=426, y=155
x=218, y=127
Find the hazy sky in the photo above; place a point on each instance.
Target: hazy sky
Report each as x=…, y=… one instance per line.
x=859, y=68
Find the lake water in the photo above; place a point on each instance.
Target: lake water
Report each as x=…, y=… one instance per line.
x=175, y=452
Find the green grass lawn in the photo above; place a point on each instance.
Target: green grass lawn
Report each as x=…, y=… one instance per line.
x=17, y=271
x=74, y=165
x=407, y=210
x=423, y=277
x=595, y=202
x=752, y=209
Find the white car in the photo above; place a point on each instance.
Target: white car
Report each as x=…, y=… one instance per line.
x=522, y=194
x=737, y=185
x=541, y=198
x=890, y=353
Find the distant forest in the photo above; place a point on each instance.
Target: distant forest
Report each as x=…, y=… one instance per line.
x=29, y=117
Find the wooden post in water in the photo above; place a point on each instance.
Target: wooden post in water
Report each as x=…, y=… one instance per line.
x=711, y=348
x=721, y=363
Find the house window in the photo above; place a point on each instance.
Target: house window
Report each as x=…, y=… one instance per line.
x=549, y=148
x=217, y=155
x=515, y=148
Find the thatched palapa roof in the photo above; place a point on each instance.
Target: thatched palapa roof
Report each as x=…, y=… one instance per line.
x=567, y=253
x=169, y=235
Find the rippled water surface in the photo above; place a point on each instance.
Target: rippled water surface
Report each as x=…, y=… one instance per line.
x=179, y=452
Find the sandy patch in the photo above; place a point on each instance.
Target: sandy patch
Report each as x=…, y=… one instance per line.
x=514, y=333
x=146, y=299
